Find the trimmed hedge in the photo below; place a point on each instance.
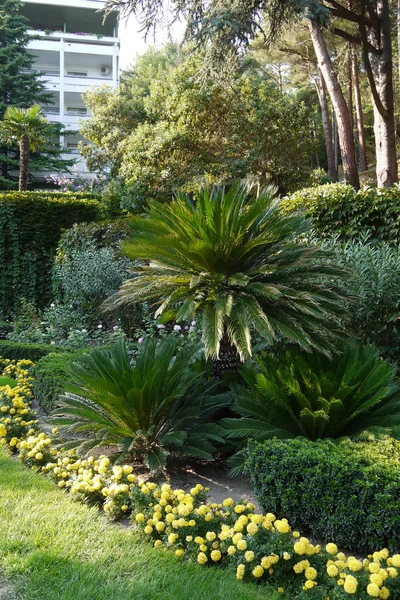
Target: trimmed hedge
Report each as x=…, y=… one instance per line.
x=348, y=493
x=50, y=374
x=25, y=351
x=30, y=229
x=337, y=209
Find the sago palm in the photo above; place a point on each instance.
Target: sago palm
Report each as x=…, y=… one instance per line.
x=240, y=263
x=300, y=394
x=30, y=130
x=141, y=412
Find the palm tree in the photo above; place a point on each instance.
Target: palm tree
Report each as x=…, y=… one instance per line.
x=299, y=394
x=144, y=411
x=30, y=129
x=240, y=263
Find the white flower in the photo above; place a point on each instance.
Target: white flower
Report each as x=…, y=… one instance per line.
x=52, y=305
x=115, y=328
x=52, y=343
x=99, y=326
x=177, y=327
x=193, y=323
x=160, y=326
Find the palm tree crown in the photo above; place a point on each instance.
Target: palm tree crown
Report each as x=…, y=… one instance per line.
x=238, y=262
x=27, y=127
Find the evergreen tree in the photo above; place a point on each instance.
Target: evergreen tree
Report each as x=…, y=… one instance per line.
x=19, y=85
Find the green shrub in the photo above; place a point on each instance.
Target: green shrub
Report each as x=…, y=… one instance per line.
x=5, y=328
x=50, y=377
x=30, y=229
x=144, y=411
x=337, y=208
x=348, y=493
x=372, y=292
x=21, y=351
x=299, y=394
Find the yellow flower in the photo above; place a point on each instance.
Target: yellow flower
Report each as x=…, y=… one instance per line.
x=395, y=560
x=228, y=502
x=332, y=570
x=202, y=558
x=148, y=529
x=249, y=556
x=376, y=578
x=252, y=528
x=392, y=572
x=241, y=544
x=179, y=553
x=282, y=526
x=172, y=538
x=160, y=526
x=331, y=548
x=286, y=556
x=384, y=593
x=231, y=550
x=311, y=573
x=139, y=518
x=240, y=572
x=354, y=564
x=299, y=547
x=373, y=590
x=309, y=584
x=210, y=536
x=374, y=568
x=258, y=571
x=157, y=544
x=215, y=555
x=350, y=585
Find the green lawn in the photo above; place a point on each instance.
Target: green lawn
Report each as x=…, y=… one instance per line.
x=52, y=548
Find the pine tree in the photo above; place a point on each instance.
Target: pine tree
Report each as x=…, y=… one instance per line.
x=20, y=86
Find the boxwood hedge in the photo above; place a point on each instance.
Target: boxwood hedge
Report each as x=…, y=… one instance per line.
x=338, y=209
x=346, y=492
x=26, y=351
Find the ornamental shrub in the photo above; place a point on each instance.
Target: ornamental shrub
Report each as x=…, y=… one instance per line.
x=30, y=228
x=22, y=351
x=50, y=377
x=347, y=492
x=336, y=208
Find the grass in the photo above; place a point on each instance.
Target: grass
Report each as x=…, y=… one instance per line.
x=52, y=548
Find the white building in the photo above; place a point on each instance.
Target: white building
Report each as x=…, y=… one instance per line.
x=74, y=51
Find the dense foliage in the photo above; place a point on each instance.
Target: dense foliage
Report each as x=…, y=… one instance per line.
x=51, y=372
x=228, y=534
x=142, y=412
x=26, y=351
x=373, y=291
x=348, y=492
x=30, y=228
x=337, y=209
x=165, y=131
x=234, y=260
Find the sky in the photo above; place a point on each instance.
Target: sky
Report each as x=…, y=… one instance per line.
x=133, y=43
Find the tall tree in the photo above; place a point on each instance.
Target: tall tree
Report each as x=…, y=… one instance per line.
x=223, y=26
x=19, y=85
x=29, y=128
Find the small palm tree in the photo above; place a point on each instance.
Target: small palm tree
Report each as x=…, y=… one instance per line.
x=30, y=129
x=353, y=395
x=241, y=264
x=142, y=412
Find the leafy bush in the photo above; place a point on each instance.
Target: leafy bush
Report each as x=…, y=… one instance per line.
x=64, y=326
x=337, y=208
x=142, y=411
x=30, y=228
x=5, y=328
x=300, y=394
x=233, y=259
x=51, y=373
x=347, y=492
x=21, y=351
x=373, y=291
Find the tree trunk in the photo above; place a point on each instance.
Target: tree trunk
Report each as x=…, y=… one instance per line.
x=350, y=90
x=384, y=124
x=321, y=91
x=359, y=113
x=346, y=140
x=228, y=361
x=398, y=35
x=24, y=163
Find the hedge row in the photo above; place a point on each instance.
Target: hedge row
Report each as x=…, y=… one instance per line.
x=348, y=492
x=50, y=375
x=338, y=209
x=26, y=351
x=30, y=229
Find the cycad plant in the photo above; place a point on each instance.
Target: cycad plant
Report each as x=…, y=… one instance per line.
x=308, y=395
x=238, y=262
x=141, y=412
x=30, y=130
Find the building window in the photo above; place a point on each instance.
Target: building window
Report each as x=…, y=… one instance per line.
x=77, y=73
x=72, y=110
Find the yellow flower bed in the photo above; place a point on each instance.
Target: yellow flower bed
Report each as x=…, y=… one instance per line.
x=255, y=546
